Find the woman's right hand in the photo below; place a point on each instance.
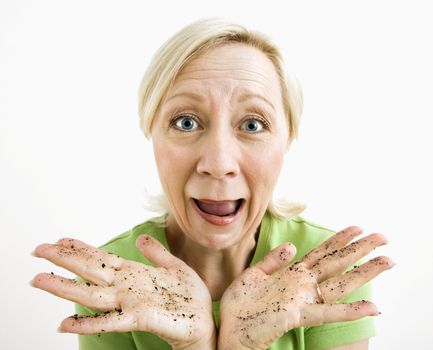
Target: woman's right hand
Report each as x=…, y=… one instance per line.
x=170, y=300
x=272, y=297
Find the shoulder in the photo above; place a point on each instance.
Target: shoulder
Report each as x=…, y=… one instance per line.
x=300, y=225
x=304, y=234
x=124, y=243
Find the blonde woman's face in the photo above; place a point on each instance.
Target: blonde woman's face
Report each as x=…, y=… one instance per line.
x=219, y=141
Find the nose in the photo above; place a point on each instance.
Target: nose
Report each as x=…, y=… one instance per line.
x=219, y=155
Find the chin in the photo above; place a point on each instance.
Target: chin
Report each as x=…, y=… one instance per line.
x=217, y=241
x=216, y=237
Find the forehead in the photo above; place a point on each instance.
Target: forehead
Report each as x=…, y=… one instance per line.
x=236, y=67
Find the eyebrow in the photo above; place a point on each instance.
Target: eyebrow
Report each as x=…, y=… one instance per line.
x=246, y=96
x=191, y=95
x=201, y=98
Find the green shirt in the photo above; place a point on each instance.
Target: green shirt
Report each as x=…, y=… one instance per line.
x=273, y=232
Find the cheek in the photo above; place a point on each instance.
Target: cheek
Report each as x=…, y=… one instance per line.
x=265, y=166
x=173, y=166
x=162, y=156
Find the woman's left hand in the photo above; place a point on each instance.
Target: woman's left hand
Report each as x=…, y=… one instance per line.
x=170, y=300
x=272, y=297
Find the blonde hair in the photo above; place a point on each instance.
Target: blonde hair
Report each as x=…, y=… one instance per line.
x=188, y=43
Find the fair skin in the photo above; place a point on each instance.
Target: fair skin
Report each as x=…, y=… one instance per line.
x=219, y=160
x=259, y=306
x=219, y=139
x=170, y=301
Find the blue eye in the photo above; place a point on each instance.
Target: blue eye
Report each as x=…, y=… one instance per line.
x=185, y=123
x=253, y=125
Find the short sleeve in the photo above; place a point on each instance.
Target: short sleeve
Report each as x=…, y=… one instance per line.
x=337, y=334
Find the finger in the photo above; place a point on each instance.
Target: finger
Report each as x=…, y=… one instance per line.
x=86, y=261
x=276, y=258
x=91, y=296
x=318, y=314
x=339, y=287
x=335, y=242
x=153, y=250
x=338, y=261
x=114, y=321
x=109, y=259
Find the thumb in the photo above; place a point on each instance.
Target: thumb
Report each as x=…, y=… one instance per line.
x=153, y=250
x=276, y=258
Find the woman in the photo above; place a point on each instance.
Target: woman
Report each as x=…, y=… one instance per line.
x=216, y=271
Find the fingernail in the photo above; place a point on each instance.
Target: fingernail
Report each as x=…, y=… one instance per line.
x=384, y=239
x=283, y=255
x=144, y=238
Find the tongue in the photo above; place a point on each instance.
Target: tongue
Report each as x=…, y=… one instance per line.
x=220, y=209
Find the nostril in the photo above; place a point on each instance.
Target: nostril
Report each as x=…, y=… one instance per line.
x=217, y=161
x=216, y=170
x=217, y=175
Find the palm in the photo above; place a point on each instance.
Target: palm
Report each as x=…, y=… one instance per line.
x=271, y=298
x=267, y=306
x=170, y=301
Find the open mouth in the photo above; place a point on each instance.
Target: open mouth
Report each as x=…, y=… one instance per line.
x=219, y=208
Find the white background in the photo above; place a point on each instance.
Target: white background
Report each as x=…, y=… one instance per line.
x=74, y=162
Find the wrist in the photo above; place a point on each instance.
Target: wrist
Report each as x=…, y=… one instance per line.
x=204, y=343
x=230, y=345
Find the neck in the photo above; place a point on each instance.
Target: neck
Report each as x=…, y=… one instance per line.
x=217, y=268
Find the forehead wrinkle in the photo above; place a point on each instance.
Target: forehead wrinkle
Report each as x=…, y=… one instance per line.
x=263, y=83
x=214, y=74
x=218, y=78
x=238, y=60
x=233, y=62
x=214, y=96
x=230, y=88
